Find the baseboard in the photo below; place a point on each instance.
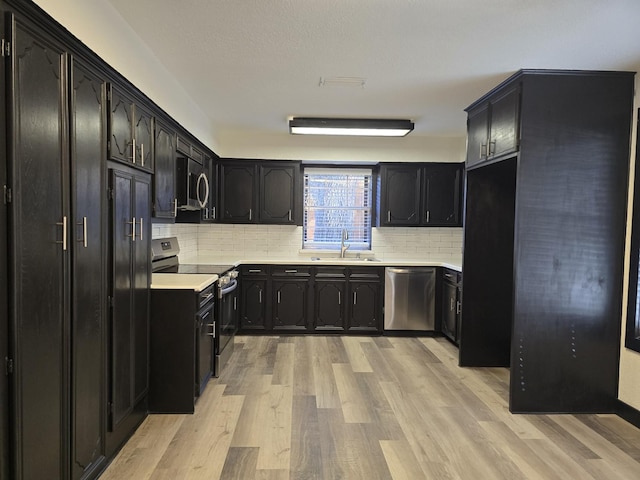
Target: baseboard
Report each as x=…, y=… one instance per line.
x=629, y=413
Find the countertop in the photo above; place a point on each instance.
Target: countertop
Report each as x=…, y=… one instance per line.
x=182, y=281
x=448, y=262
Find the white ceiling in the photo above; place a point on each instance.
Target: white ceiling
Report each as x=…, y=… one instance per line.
x=252, y=64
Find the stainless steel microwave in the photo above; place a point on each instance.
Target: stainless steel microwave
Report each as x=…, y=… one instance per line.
x=192, y=184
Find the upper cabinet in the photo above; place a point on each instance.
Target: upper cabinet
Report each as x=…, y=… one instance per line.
x=260, y=192
x=427, y=194
x=493, y=127
x=164, y=182
x=131, y=130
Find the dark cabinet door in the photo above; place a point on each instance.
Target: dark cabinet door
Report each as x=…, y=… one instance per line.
x=121, y=119
x=330, y=298
x=290, y=304
x=39, y=255
x=141, y=284
x=449, y=310
x=254, y=297
x=277, y=193
x=442, y=190
x=477, y=135
x=504, y=131
x=5, y=462
x=164, y=186
x=143, y=133
x=401, y=195
x=365, y=306
x=130, y=279
x=88, y=305
x=237, y=193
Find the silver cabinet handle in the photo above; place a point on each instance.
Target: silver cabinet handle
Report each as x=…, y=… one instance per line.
x=355, y=298
x=278, y=297
x=489, y=150
x=133, y=151
x=84, y=232
x=63, y=224
x=291, y=271
x=458, y=307
x=175, y=207
x=213, y=213
x=483, y=146
x=251, y=270
x=141, y=228
x=289, y=215
x=260, y=296
x=213, y=329
x=339, y=298
x=451, y=304
x=142, y=154
x=388, y=216
x=235, y=303
x=250, y=213
x=427, y=215
x=133, y=228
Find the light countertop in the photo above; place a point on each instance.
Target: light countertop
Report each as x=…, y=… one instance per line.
x=182, y=281
x=448, y=262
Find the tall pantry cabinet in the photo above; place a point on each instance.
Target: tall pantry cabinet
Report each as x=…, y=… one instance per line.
x=56, y=145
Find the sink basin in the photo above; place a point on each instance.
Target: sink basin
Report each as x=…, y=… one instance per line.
x=346, y=259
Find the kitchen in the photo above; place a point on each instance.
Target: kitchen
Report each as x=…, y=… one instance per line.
x=212, y=239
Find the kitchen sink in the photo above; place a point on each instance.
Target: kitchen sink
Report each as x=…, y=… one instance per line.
x=345, y=259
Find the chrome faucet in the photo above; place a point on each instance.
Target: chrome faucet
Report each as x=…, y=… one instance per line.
x=343, y=247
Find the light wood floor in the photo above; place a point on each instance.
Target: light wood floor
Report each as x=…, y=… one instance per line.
x=369, y=408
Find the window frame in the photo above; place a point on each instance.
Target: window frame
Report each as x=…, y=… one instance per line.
x=373, y=207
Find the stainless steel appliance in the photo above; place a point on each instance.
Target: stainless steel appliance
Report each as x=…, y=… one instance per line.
x=192, y=184
x=409, y=298
x=227, y=320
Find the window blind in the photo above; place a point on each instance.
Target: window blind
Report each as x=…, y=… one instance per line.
x=335, y=200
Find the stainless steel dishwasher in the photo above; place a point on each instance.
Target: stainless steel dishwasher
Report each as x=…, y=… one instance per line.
x=409, y=298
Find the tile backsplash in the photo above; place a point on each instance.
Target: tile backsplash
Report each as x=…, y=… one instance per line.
x=253, y=242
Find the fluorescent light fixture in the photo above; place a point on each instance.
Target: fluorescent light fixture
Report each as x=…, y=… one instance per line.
x=350, y=126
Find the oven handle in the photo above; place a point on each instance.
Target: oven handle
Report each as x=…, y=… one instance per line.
x=228, y=289
x=204, y=202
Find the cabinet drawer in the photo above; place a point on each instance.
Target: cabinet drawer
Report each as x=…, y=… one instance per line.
x=207, y=295
x=291, y=271
x=366, y=272
x=331, y=272
x=452, y=276
x=183, y=146
x=253, y=270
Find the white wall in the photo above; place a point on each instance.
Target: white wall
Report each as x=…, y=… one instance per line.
x=629, y=389
x=99, y=26
x=412, y=148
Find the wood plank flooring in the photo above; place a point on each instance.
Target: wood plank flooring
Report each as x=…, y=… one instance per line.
x=330, y=407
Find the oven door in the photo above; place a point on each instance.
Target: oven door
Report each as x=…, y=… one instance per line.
x=227, y=323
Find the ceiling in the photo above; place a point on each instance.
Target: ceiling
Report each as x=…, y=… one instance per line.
x=252, y=64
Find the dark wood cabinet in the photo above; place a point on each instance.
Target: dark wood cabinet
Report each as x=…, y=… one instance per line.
x=164, y=178
x=428, y=194
x=130, y=210
x=290, y=297
x=544, y=238
x=5, y=417
x=253, y=298
x=56, y=166
x=238, y=192
x=260, y=192
x=401, y=187
x=278, y=184
x=131, y=130
x=493, y=127
x=365, y=299
x=451, y=303
x=330, y=299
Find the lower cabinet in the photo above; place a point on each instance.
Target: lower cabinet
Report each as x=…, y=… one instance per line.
x=294, y=299
x=451, y=303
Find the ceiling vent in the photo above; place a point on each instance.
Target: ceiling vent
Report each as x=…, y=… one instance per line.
x=342, y=82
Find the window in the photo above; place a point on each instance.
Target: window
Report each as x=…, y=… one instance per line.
x=336, y=199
